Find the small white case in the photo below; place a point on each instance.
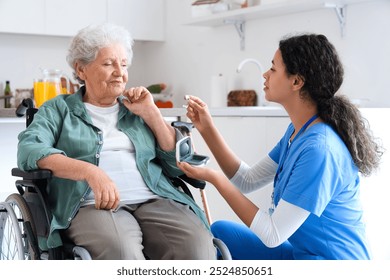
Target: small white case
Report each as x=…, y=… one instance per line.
x=185, y=153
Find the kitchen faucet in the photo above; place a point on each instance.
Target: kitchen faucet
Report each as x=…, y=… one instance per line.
x=249, y=60
x=257, y=63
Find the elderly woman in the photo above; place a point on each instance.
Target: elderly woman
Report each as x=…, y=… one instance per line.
x=109, y=192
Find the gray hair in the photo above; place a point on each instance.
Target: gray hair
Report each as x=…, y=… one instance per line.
x=89, y=40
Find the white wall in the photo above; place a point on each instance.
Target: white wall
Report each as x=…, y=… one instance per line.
x=8, y=150
x=23, y=56
x=191, y=55
x=375, y=191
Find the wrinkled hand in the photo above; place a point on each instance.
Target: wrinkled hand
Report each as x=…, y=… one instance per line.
x=198, y=113
x=104, y=189
x=139, y=100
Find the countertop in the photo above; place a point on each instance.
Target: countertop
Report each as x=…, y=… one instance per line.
x=244, y=111
x=8, y=115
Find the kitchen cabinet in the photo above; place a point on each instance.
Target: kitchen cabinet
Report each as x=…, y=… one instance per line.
x=10, y=128
x=66, y=17
x=144, y=19
x=22, y=16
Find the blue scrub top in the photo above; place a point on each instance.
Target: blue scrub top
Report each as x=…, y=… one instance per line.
x=319, y=175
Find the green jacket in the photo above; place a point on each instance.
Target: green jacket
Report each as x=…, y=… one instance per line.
x=62, y=125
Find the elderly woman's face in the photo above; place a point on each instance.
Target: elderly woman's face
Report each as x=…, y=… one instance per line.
x=106, y=77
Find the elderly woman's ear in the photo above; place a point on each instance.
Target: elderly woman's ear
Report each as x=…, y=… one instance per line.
x=79, y=70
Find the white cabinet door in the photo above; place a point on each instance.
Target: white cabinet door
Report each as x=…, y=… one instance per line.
x=22, y=16
x=8, y=149
x=251, y=138
x=143, y=18
x=67, y=17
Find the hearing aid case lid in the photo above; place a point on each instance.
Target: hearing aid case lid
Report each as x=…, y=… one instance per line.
x=185, y=153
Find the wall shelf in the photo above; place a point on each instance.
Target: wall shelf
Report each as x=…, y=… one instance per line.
x=238, y=17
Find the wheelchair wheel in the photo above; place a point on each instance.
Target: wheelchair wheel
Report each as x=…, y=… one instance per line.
x=25, y=223
x=11, y=243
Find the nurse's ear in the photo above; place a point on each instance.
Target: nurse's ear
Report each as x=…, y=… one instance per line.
x=297, y=82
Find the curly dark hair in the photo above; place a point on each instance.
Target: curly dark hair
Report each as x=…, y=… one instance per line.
x=315, y=60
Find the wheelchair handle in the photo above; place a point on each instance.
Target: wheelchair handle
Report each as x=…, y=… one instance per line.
x=23, y=106
x=26, y=107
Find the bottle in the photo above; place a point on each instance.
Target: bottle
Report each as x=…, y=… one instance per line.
x=7, y=95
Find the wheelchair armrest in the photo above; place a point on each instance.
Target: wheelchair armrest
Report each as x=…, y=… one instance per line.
x=32, y=175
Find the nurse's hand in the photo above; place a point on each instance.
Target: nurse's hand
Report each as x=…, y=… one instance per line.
x=198, y=113
x=197, y=172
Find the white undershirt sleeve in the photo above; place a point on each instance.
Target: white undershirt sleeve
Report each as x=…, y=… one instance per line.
x=275, y=229
x=249, y=179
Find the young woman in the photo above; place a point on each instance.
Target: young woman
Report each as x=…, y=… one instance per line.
x=315, y=211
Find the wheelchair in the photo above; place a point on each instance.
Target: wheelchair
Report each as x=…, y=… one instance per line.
x=25, y=216
x=25, y=222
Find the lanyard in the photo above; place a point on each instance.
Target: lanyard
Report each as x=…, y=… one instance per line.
x=276, y=196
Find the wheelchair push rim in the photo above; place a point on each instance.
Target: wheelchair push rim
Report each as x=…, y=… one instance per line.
x=23, y=225
x=11, y=243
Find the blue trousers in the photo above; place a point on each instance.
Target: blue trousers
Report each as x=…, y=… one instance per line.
x=245, y=245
